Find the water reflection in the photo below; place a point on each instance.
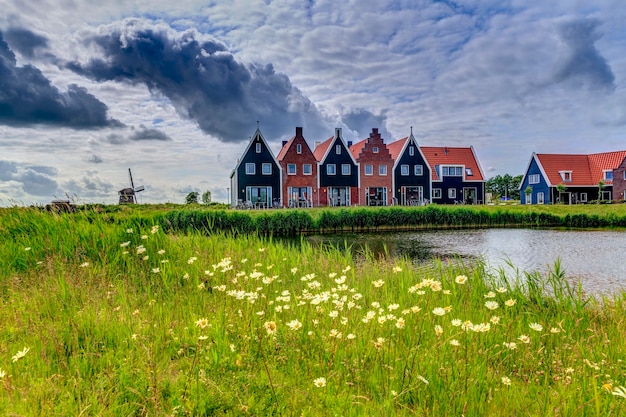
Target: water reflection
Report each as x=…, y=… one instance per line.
x=594, y=257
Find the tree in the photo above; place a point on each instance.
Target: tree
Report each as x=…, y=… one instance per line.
x=504, y=186
x=192, y=198
x=600, y=187
x=206, y=197
x=560, y=188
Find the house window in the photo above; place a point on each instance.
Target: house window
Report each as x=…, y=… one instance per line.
x=411, y=150
x=418, y=170
x=540, y=198
x=258, y=148
x=382, y=169
x=338, y=149
x=533, y=179
x=369, y=169
x=250, y=168
x=404, y=170
x=299, y=148
x=331, y=169
x=436, y=193
x=452, y=171
x=345, y=169
x=452, y=193
x=306, y=169
x=266, y=168
x=583, y=197
x=291, y=169
x=375, y=149
x=608, y=175
x=566, y=175
x=468, y=172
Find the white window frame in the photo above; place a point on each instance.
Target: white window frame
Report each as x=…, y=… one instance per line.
x=606, y=173
x=292, y=169
x=346, y=169
x=382, y=170
x=583, y=197
x=469, y=172
x=331, y=169
x=298, y=148
x=411, y=150
x=338, y=149
x=566, y=176
x=436, y=193
x=418, y=170
x=369, y=169
x=375, y=149
x=457, y=171
x=258, y=147
x=307, y=169
x=250, y=168
x=533, y=179
x=266, y=168
x=451, y=192
x=541, y=199
x=404, y=170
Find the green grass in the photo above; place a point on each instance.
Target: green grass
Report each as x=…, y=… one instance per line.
x=122, y=322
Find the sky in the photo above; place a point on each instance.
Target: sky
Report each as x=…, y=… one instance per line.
x=174, y=90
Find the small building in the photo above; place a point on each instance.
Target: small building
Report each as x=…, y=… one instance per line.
x=338, y=173
x=375, y=170
x=619, y=182
x=411, y=172
x=572, y=178
x=299, y=166
x=457, y=177
x=257, y=177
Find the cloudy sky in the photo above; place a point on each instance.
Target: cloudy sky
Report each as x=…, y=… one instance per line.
x=174, y=90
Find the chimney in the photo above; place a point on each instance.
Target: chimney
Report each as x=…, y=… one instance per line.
x=349, y=143
x=298, y=131
x=337, y=132
x=375, y=131
x=284, y=142
x=317, y=143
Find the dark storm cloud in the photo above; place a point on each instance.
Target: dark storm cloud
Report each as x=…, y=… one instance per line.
x=148, y=134
x=583, y=62
x=24, y=41
x=27, y=98
x=203, y=80
x=362, y=121
x=36, y=180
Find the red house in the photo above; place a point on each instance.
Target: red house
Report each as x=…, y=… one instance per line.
x=299, y=168
x=375, y=170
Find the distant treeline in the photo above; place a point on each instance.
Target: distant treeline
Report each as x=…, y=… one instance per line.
x=295, y=222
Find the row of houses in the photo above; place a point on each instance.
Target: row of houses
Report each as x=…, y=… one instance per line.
x=369, y=172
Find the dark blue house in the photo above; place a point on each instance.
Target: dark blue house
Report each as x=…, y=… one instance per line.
x=256, y=180
x=338, y=173
x=411, y=173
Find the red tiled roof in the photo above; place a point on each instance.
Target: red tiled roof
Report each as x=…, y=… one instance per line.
x=396, y=147
x=320, y=150
x=285, y=148
x=443, y=155
x=357, y=148
x=586, y=170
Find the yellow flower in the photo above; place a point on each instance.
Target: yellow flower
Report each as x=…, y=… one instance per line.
x=524, y=339
x=379, y=283
x=439, y=311
x=491, y=305
x=400, y=323
x=294, y=324
x=506, y=380
x=510, y=302
x=461, y=279
x=396, y=269
x=19, y=355
x=270, y=327
x=438, y=330
x=320, y=382
x=202, y=323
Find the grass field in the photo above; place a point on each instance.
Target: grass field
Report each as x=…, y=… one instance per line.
x=103, y=313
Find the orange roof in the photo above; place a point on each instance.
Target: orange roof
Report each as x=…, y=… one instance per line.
x=320, y=150
x=444, y=155
x=396, y=147
x=285, y=148
x=586, y=170
x=357, y=148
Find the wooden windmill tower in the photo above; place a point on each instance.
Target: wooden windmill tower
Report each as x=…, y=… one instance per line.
x=129, y=195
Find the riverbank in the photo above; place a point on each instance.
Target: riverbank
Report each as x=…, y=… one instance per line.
x=111, y=315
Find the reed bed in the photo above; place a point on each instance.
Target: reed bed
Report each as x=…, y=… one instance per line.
x=113, y=316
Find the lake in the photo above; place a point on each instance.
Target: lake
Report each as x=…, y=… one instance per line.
x=594, y=257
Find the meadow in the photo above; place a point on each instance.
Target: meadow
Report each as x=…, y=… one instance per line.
x=117, y=313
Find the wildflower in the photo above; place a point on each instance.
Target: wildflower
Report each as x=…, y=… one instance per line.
x=491, y=305
x=536, y=327
x=270, y=327
x=2, y=373
x=396, y=269
x=392, y=307
x=144, y=237
x=619, y=392
x=510, y=345
x=145, y=258
x=400, y=323
x=201, y=286
x=161, y=251
x=501, y=290
x=421, y=378
x=129, y=231
x=438, y=311
x=27, y=248
x=261, y=249
x=555, y=330
x=394, y=393
x=19, y=355
x=524, y=339
x=455, y=342
x=378, y=283
x=456, y=322
x=232, y=347
x=154, y=229
x=378, y=343
x=186, y=276
x=461, y=279
x=490, y=294
x=202, y=323
x=156, y=270
x=191, y=260
x=438, y=330
x=134, y=336
x=510, y=302
x=495, y=320
x=202, y=338
x=294, y=324
x=350, y=336
x=320, y=382
x=333, y=314
x=506, y=380
x=335, y=333
x=140, y=249
x=136, y=312
x=84, y=264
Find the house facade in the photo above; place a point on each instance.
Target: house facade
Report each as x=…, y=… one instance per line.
x=338, y=173
x=299, y=166
x=619, y=182
x=572, y=178
x=411, y=173
x=375, y=170
x=256, y=179
x=456, y=175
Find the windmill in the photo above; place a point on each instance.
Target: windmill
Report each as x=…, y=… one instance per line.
x=128, y=195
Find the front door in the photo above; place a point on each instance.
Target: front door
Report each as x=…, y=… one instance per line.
x=339, y=196
x=469, y=195
x=412, y=196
